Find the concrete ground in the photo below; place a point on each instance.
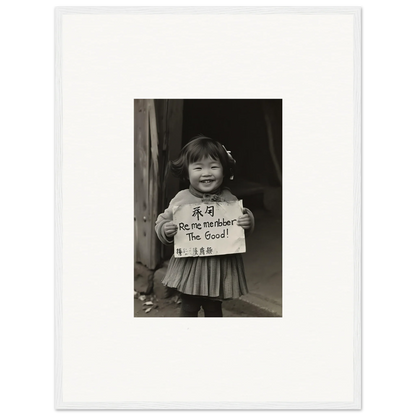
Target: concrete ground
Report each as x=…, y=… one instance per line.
x=263, y=262
x=263, y=266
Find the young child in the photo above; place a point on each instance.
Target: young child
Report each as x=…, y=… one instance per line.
x=203, y=281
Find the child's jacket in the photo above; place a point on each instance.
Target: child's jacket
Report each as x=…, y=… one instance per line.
x=220, y=277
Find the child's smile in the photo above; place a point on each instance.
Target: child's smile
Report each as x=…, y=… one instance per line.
x=206, y=175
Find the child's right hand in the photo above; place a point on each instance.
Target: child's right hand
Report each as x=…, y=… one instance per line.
x=170, y=229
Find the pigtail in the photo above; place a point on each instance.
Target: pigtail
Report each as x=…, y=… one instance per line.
x=179, y=166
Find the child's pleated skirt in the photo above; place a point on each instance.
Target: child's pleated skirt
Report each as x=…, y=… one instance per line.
x=220, y=277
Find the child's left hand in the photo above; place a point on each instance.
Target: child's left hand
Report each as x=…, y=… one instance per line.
x=244, y=220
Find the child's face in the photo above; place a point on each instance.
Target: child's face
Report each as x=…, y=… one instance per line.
x=206, y=175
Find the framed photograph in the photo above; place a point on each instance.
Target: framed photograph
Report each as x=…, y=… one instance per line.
x=208, y=165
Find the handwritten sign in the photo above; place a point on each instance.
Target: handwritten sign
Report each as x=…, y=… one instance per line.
x=208, y=229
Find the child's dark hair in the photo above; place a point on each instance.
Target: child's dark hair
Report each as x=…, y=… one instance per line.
x=198, y=148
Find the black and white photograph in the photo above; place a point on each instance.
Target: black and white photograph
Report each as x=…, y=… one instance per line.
x=211, y=155
x=208, y=166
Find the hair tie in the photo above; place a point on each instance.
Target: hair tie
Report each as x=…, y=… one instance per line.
x=231, y=159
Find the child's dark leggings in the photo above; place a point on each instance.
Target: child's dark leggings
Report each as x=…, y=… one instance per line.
x=192, y=304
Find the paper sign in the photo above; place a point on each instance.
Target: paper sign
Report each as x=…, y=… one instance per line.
x=208, y=229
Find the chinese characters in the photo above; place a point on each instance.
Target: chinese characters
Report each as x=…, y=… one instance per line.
x=198, y=213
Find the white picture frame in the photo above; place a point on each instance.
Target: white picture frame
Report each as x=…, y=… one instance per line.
x=105, y=58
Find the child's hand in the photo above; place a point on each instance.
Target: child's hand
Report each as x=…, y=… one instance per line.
x=170, y=229
x=244, y=220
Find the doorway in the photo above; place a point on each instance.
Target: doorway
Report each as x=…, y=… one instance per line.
x=252, y=130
